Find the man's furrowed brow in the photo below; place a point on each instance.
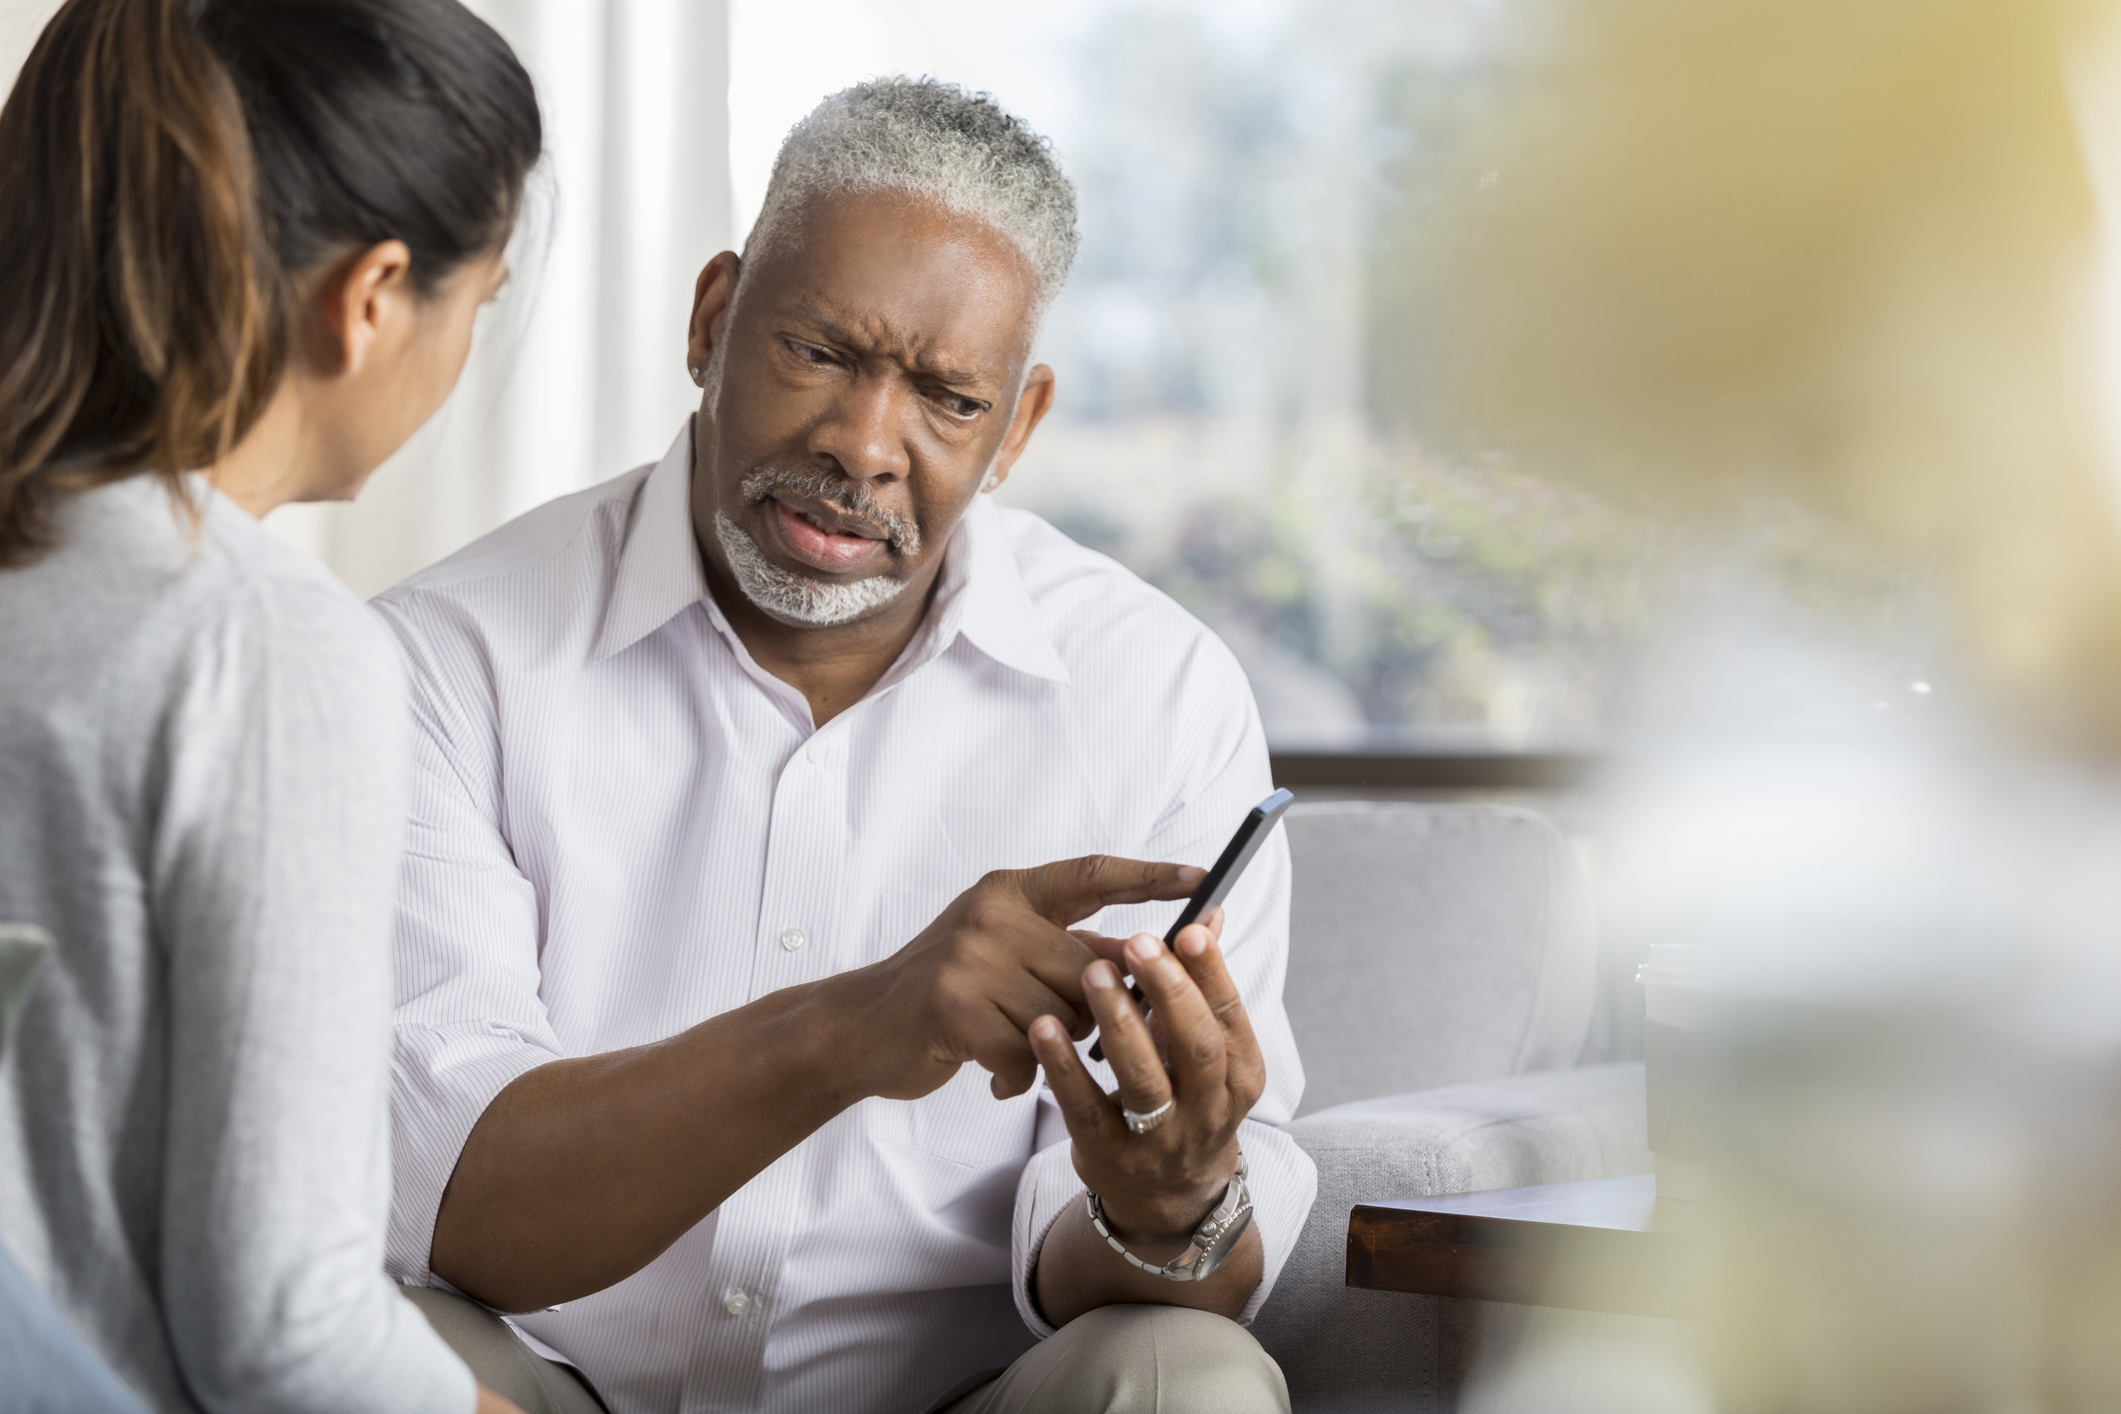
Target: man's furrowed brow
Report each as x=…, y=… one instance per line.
x=816, y=317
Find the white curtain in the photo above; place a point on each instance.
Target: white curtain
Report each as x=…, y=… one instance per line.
x=579, y=372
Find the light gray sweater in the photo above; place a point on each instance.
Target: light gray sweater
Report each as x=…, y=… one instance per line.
x=203, y=761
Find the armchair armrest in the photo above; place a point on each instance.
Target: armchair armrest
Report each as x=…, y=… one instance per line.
x=1344, y=1349
x=1548, y=1127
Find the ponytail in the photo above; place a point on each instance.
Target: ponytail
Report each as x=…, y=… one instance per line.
x=171, y=169
x=140, y=320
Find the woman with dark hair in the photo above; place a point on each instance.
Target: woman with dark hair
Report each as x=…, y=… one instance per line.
x=242, y=245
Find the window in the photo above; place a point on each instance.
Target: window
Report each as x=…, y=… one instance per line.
x=1227, y=423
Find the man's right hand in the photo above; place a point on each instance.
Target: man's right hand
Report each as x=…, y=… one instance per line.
x=998, y=958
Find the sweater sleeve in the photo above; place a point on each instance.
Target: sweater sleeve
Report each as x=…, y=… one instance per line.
x=275, y=857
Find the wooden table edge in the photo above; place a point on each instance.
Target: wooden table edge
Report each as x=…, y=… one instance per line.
x=1394, y=1245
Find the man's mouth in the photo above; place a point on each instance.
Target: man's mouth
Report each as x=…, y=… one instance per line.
x=824, y=537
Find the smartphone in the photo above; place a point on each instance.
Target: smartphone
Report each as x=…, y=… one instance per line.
x=1224, y=876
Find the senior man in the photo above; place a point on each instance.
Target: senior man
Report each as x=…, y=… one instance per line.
x=738, y=781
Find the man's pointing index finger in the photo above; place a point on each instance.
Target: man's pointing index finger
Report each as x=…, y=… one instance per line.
x=1072, y=889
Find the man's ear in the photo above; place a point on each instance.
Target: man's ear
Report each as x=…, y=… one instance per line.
x=1032, y=405
x=360, y=301
x=712, y=295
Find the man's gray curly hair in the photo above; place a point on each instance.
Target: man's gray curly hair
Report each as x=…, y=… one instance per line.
x=936, y=140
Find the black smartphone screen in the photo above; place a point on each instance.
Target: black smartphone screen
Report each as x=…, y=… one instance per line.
x=1223, y=877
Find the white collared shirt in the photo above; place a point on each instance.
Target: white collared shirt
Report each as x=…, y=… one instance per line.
x=623, y=826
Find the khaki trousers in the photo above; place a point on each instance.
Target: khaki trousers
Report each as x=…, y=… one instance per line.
x=1114, y=1360
x=1137, y=1360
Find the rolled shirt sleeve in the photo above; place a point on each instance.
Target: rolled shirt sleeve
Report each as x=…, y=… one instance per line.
x=469, y=1017
x=1220, y=773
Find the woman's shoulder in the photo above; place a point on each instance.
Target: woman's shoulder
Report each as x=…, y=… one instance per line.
x=140, y=583
x=147, y=649
x=275, y=600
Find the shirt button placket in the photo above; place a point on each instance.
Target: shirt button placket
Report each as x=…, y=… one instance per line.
x=805, y=851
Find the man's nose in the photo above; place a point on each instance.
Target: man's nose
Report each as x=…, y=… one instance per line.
x=865, y=430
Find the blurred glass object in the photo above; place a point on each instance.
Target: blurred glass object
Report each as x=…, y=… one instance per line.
x=1853, y=258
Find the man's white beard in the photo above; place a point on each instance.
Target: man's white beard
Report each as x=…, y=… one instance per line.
x=791, y=598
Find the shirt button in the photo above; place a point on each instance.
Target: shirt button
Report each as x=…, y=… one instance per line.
x=814, y=753
x=792, y=938
x=736, y=1303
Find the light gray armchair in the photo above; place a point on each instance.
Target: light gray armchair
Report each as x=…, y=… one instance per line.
x=1442, y=966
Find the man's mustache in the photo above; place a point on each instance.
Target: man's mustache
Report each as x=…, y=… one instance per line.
x=762, y=483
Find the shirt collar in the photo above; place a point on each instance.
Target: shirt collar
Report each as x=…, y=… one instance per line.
x=659, y=574
x=980, y=595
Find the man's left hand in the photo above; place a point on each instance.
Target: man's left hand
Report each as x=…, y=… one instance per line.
x=1197, y=1048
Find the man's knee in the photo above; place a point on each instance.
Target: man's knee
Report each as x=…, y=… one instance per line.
x=1171, y=1360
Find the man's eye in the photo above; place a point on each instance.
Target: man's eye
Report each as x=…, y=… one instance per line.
x=967, y=408
x=810, y=353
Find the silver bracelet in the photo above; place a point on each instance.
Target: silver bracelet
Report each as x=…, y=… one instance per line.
x=1212, y=1241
